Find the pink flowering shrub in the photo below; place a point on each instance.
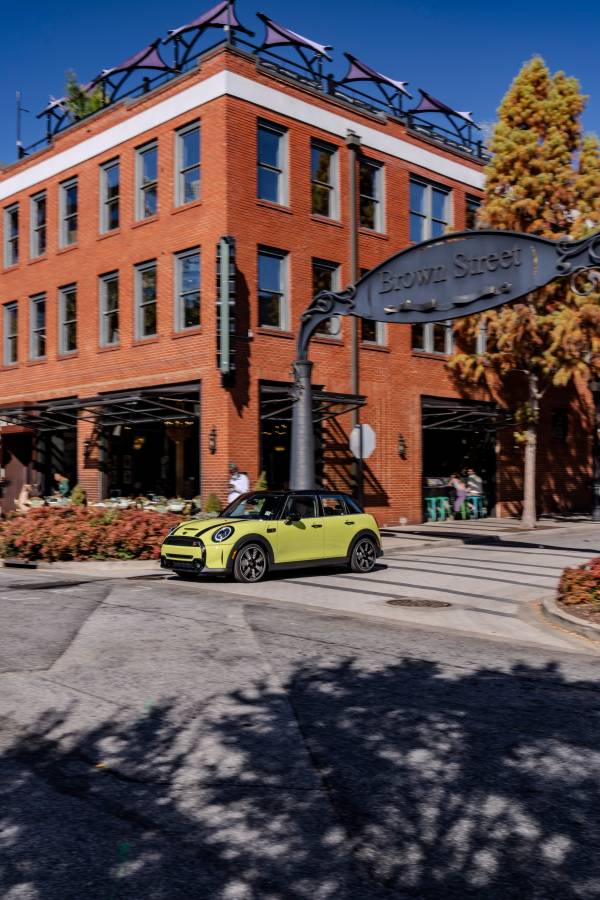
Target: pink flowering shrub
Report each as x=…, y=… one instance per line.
x=85, y=533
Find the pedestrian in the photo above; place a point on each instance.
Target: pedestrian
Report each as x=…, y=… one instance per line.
x=460, y=491
x=474, y=484
x=23, y=501
x=238, y=482
x=62, y=484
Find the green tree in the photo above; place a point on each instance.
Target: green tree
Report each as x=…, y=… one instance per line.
x=543, y=179
x=80, y=102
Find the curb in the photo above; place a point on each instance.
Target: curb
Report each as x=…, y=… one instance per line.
x=554, y=613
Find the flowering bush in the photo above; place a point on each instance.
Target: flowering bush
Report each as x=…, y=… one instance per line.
x=581, y=585
x=84, y=533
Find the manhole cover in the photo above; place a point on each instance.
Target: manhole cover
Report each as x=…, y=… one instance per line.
x=418, y=602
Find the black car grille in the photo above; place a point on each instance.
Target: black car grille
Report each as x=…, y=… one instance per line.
x=177, y=541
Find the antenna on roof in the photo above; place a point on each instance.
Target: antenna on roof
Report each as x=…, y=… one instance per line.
x=20, y=109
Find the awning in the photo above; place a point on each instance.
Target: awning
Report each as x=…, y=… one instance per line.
x=447, y=414
x=277, y=402
x=142, y=407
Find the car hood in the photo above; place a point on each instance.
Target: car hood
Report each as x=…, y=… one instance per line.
x=200, y=527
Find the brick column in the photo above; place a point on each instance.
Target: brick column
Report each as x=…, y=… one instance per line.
x=89, y=459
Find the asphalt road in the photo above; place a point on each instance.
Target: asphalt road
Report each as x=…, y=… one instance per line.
x=158, y=742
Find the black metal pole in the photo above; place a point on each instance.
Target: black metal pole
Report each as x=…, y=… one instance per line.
x=595, y=389
x=353, y=144
x=302, y=464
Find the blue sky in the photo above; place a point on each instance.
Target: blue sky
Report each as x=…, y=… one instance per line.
x=466, y=53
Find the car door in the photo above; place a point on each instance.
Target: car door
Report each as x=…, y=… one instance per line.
x=300, y=537
x=337, y=525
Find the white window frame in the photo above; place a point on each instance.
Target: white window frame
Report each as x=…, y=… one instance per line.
x=282, y=168
x=380, y=335
x=140, y=268
x=428, y=339
x=180, y=170
x=178, y=296
x=334, y=199
x=63, y=322
x=7, y=344
x=11, y=241
x=427, y=216
x=34, y=229
x=140, y=188
x=64, y=187
x=105, y=202
x=335, y=269
x=379, y=197
x=104, y=281
x=284, y=294
x=474, y=201
x=33, y=332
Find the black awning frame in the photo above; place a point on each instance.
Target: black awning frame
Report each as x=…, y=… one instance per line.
x=326, y=405
x=446, y=414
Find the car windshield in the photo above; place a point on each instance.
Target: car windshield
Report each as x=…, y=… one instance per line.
x=254, y=506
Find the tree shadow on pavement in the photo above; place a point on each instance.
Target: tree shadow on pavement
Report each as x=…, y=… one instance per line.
x=354, y=781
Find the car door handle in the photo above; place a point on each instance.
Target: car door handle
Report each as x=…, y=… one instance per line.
x=349, y=522
x=271, y=530
x=317, y=526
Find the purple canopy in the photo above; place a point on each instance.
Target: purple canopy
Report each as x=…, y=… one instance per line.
x=219, y=16
x=148, y=58
x=428, y=103
x=277, y=34
x=359, y=71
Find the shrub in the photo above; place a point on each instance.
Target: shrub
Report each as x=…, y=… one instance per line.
x=261, y=484
x=78, y=496
x=581, y=584
x=79, y=532
x=212, y=504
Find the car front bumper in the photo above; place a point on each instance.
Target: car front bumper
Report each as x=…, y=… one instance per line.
x=195, y=559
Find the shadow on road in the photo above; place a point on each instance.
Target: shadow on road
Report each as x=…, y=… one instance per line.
x=389, y=781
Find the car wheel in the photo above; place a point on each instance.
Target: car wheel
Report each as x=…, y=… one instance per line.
x=251, y=564
x=364, y=555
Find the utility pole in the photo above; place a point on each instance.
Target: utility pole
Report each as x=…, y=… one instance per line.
x=353, y=144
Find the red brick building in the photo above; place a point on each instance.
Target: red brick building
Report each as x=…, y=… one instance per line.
x=109, y=296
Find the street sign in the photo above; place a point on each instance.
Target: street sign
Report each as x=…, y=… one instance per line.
x=362, y=449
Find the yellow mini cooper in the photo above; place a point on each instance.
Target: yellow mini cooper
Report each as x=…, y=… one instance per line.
x=268, y=531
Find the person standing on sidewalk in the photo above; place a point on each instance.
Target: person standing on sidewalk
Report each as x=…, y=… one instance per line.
x=460, y=491
x=239, y=483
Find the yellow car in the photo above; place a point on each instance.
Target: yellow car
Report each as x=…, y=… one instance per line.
x=269, y=531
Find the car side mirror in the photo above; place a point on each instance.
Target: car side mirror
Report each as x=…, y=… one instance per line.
x=292, y=517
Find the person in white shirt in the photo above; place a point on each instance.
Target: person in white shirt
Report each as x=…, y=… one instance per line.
x=238, y=482
x=474, y=484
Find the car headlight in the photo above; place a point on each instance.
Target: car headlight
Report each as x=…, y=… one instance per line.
x=222, y=534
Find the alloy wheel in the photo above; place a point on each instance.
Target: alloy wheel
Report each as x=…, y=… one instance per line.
x=364, y=554
x=252, y=563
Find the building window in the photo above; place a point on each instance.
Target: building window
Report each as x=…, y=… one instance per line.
x=37, y=327
x=10, y=326
x=145, y=299
x=38, y=224
x=325, y=277
x=109, y=309
x=11, y=235
x=146, y=181
x=324, y=180
x=187, y=290
x=272, y=182
x=187, y=155
x=272, y=289
x=472, y=206
x=110, y=184
x=372, y=332
x=429, y=210
x=433, y=337
x=67, y=319
x=370, y=181
x=68, y=213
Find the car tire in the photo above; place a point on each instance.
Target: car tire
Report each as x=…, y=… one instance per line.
x=364, y=555
x=251, y=563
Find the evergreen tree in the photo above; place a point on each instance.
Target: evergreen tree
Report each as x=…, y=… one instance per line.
x=543, y=179
x=80, y=102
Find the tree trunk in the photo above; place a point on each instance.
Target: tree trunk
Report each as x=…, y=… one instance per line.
x=529, y=517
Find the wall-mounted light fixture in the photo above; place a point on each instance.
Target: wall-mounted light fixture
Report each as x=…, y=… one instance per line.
x=87, y=446
x=212, y=440
x=401, y=446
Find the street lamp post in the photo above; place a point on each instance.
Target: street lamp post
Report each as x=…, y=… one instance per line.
x=595, y=389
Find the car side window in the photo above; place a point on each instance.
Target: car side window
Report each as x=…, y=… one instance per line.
x=333, y=505
x=304, y=507
x=352, y=505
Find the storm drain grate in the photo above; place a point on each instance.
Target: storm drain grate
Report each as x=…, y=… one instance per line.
x=418, y=602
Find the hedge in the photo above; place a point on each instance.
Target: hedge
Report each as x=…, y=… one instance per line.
x=84, y=533
x=581, y=585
